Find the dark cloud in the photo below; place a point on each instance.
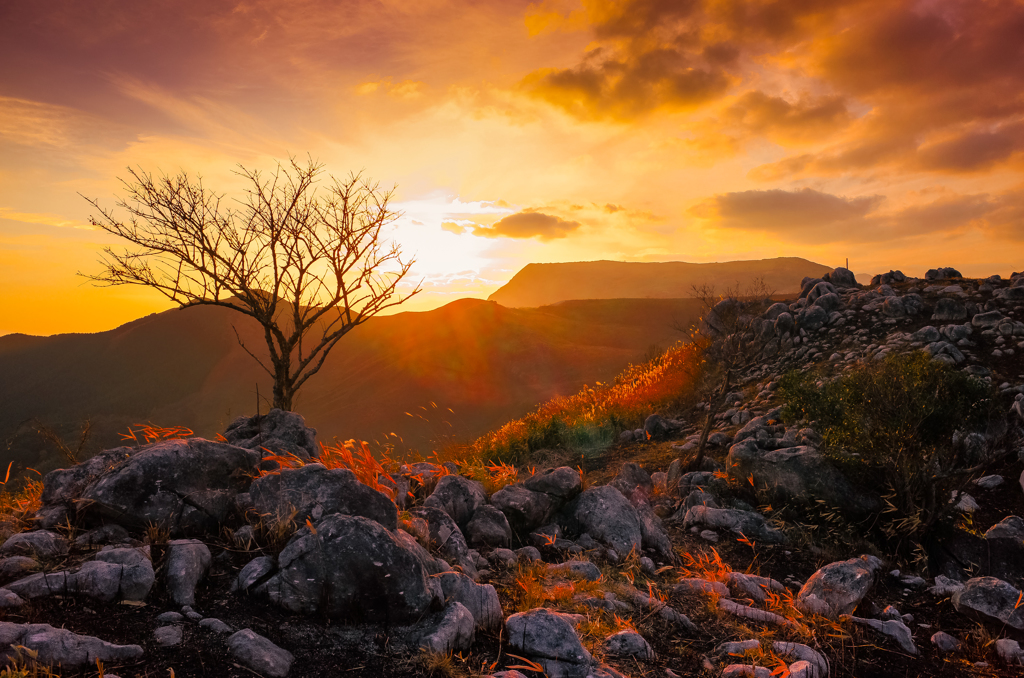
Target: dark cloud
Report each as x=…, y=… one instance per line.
x=528, y=224
x=813, y=216
x=612, y=208
x=802, y=212
x=973, y=151
x=760, y=113
x=628, y=82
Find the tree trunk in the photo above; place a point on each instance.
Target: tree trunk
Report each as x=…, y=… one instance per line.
x=713, y=408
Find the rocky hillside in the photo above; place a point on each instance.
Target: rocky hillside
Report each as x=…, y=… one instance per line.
x=782, y=554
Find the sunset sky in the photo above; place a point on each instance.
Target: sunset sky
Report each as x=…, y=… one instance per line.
x=888, y=132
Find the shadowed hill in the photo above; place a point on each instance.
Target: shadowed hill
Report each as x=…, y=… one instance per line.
x=541, y=284
x=486, y=362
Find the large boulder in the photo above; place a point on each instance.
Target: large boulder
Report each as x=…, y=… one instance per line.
x=278, y=431
x=115, y=574
x=480, y=599
x=188, y=561
x=64, y=485
x=992, y=600
x=632, y=478
x=812, y=318
x=459, y=497
x=60, y=646
x=260, y=654
x=444, y=538
x=563, y=482
x=525, y=509
x=489, y=528
x=315, y=491
x=606, y=515
x=949, y=308
x=838, y=588
x=350, y=567
x=797, y=474
x=842, y=277
x=549, y=638
x=188, y=486
x=38, y=544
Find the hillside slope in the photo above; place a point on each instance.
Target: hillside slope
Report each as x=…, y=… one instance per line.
x=485, y=362
x=542, y=284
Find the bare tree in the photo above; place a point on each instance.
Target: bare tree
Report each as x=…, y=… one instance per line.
x=308, y=264
x=731, y=339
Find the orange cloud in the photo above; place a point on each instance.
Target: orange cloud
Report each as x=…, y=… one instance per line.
x=528, y=224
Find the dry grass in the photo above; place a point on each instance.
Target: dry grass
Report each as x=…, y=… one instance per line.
x=592, y=417
x=24, y=665
x=18, y=503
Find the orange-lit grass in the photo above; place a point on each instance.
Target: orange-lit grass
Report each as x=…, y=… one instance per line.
x=151, y=433
x=535, y=586
x=17, y=506
x=352, y=455
x=596, y=414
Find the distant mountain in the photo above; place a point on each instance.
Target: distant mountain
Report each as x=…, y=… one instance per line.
x=542, y=284
x=485, y=362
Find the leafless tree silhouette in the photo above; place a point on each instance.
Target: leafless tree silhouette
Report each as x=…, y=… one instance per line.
x=309, y=264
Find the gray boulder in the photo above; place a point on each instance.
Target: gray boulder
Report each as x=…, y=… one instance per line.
x=60, y=646
x=748, y=523
x=838, y=588
x=445, y=538
x=829, y=302
x=775, y=310
x=315, y=492
x=632, y=478
x=797, y=474
x=480, y=599
x=188, y=561
x=1010, y=527
x=188, y=486
x=819, y=290
x=842, y=277
x=949, y=308
x=605, y=515
x=111, y=533
x=168, y=636
x=350, y=567
x=459, y=497
x=215, y=625
x=260, y=654
x=16, y=567
x=812, y=318
x=655, y=427
x=525, y=510
x=255, y=572
x=115, y=574
x=453, y=631
x=489, y=527
x=785, y=324
x=9, y=599
x=628, y=644
x=942, y=273
x=279, y=431
x=38, y=544
x=988, y=599
x=549, y=638
x=563, y=483
x=64, y=485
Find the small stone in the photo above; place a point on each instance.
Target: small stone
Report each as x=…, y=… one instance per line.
x=628, y=644
x=170, y=617
x=168, y=636
x=260, y=654
x=709, y=535
x=215, y=625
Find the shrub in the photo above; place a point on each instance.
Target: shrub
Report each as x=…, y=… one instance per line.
x=891, y=424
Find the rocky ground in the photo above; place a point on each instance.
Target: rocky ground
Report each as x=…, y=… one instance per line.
x=206, y=558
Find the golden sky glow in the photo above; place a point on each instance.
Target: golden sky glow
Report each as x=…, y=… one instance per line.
x=888, y=132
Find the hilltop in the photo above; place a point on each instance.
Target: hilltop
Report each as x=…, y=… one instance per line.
x=543, y=284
